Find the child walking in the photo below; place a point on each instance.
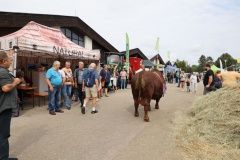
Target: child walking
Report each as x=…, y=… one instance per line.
x=188, y=84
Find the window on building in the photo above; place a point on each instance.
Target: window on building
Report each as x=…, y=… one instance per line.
x=73, y=36
x=63, y=30
x=75, y=41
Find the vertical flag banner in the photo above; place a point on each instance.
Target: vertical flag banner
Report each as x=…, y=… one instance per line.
x=157, y=49
x=221, y=65
x=127, y=53
x=157, y=45
x=238, y=60
x=168, y=55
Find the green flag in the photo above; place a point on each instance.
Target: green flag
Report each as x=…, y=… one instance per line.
x=127, y=53
x=168, y=54
x=238, y=60
x=157, y=45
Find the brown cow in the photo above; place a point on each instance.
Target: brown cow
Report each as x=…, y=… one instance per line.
x=147, y=85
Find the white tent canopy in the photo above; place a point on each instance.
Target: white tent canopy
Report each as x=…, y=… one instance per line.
x=36, y=40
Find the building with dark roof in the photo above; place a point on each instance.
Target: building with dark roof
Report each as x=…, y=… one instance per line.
x=136, y=52
x=168, y=63
x=73, y=28
x=157, y=59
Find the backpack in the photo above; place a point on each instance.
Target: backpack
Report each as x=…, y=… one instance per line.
x=75, y=95
x=217, y=82
x=68, y=76
x=89, y=79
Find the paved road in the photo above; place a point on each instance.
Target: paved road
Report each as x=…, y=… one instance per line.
x=112, y=134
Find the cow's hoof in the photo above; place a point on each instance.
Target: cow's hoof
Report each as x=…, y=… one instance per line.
x=156, y=107
x=136, y=115
x=146, y=120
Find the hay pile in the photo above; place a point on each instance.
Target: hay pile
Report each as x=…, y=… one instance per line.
x=211, y=128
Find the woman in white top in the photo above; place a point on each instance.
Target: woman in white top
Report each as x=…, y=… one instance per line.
x=182, y=80
x=193, y=80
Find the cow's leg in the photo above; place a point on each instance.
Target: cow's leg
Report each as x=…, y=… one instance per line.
x=156, y=105
x=149, y=108
x=136, y=104
x=146, y=118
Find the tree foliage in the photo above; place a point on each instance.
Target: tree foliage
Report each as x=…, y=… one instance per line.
x=201, y=63
x=182, y=64
x=194, y=68
x=225, y=56
x=209, y=59
x=203, y=60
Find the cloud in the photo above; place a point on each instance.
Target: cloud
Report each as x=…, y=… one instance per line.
x=186, y=28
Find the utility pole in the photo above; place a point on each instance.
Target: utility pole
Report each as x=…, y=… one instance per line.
x=225, y=64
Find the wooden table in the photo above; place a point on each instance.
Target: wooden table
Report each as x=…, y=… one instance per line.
x=26, y=88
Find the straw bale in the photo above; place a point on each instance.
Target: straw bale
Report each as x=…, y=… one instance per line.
x=210, y=129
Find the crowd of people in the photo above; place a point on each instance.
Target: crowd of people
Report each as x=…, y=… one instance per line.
x=211, y=81
x=85, y=84
x=64, y=84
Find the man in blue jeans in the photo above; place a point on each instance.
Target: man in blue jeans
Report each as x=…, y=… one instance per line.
x=8, y=100
x=54, y=81
x=67, y=84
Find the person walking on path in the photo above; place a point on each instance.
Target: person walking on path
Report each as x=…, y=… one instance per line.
x=111, y=69
x=8, y=101
x=188, y=81
x=67, y=85
x=208, y=80
x=90, y=86
x=193, y=80
x=63, y=81
x=54, y=80
x=115, y=80
x=230, y=77
x=78, y=76
x=105, y=79
x=182, y=79
x=123, y=75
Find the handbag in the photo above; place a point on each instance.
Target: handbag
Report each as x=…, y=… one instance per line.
x=110, y=84
x=103, y=83
x=75, y=95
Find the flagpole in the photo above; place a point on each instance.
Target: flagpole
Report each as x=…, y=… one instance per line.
x=157, y=49
x=127, y=54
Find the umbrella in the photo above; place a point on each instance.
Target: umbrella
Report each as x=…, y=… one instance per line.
x=171, y=68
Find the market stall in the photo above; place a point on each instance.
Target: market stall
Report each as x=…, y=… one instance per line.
x=35, y=47
x=148, y=64
x=36, y=40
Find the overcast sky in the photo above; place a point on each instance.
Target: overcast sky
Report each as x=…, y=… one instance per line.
x=187, y=28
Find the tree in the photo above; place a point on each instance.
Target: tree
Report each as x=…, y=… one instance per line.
x=209, y=59
x=194, y=68
x=189, y=69
x=229, y=60
x=201, y=63
x=181, y=64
